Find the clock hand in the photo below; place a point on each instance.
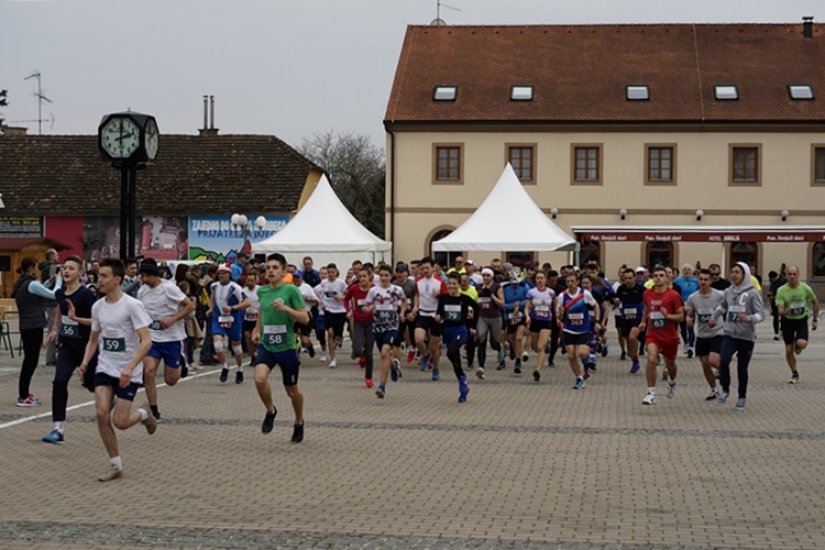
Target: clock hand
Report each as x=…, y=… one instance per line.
x=124, y=136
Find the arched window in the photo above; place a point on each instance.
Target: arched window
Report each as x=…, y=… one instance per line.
x=659, y=253
x=591, y=251
x=744, y=251
x=818, y=261
x=444, y=259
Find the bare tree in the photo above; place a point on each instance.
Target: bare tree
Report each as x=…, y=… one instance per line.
x=3, y=103
x=356, y=171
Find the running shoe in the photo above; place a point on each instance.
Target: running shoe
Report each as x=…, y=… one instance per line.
x=593, y=367
x=224, y=375
x=362, y=361
x=437, y=375
x=311, y=350
x=298, y=433
x=586, y=374
x=333, y=364
x=480, y=373
x=501, y=365
x=797, y=350
x=381, y=391
x=525, y=356
x=579, y=384
x=368, y=383
x=239, y=377
x=54, y=436
x=184, y=370
x=536, y=376
x=324, y=358
x=722, y=398
x=740, y=404
x=422, y=363
x=517, y=369
x=714, y=393
x=604, y=351
x=410, y=355
x=671, y=387
x=395, y=370
x=463, y=389
x=30, y=401
x=151, y=422
x=794, y=378
x=623, y=356
x=634, y=368
x=776, y=337
x=650, y=399
x=269, y=421
x=111, y=474
x=689, y=353
x=551, y=364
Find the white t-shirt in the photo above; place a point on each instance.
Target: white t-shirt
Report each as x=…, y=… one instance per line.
x=329, y=289
x=118, y=324
x=428, y=290
x=251, y=294
x=308, y=294
x=161, y=302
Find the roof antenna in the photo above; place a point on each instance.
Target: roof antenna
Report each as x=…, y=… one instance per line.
x=40, y=99
x=438, y=22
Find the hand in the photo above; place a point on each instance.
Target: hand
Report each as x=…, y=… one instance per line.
x=349, y=316
x=436, y=293
x=473, y=332
x=125, y=378
x=53, y=335
x=279, y=305
x=712, y=323
x=742, y=317
x=642, y=326
x=72, y=314
x=209, y=313
x=168, y=322
x=226, y=310
x=256, y=337
x=814, y=324
x=690, y=321
x=81, y=370
x=410, y=316
x=437, y=318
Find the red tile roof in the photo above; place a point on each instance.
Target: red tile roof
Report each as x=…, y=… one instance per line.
x=579, y=73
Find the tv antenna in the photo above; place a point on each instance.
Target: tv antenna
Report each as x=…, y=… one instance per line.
x=40, y=99
x=438, y=22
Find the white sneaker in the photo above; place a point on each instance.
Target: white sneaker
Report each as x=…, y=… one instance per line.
x=324, y=358
x=333, y=363
x=650, y=399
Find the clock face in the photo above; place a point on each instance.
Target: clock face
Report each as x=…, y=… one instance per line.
x=120, y=137
x=151, y=139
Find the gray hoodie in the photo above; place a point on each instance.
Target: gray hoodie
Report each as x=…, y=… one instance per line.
x=741, y=298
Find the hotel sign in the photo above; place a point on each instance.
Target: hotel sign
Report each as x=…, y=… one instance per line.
x=703, y=237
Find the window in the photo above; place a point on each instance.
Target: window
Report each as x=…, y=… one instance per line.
x=659, y=253
x=523, y=160
x=661, y=164
x=818, y=260
x=637, y=92
x=591, y=251
x=444, y=259
x=744, y=164
x=587, y=164
x=744, y=251
x=800, y=91
x=521, y=93
x=445, y=93
x=520, y=259
x=819, y=163
x=725, y=92
x=448, y=163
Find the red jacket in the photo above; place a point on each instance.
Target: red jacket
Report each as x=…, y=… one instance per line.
x=354, y=302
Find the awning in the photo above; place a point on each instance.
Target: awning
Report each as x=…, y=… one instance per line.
x=709, y=234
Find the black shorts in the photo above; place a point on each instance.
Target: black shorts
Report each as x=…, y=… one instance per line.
x=336, y=322
x=429, y=324
x=302, y=330
x=248, y=326
x=570, y=339
x=538, y=326
x=706, y=346
x=512, y=328
x=287, y=360
x=128, y=393
x=626, y=325
x=793, y=330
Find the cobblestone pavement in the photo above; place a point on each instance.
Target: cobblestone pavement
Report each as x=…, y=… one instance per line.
x=520, y=465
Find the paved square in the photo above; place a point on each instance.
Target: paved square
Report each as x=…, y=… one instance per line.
x=519, y=465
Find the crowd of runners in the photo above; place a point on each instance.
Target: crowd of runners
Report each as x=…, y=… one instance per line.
x=268, y=313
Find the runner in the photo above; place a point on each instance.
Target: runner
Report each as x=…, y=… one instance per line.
x=361, y=323
x=167, y=306
x=617, y=313
x=775, y=281
x=250, y=314
x=332, y=292
x=541, y=302
x=406, y=329
x=226, y=305
x=662, y=312
x=699, y=309
x=469, y=290
x=120, y=328
x=427, y=290
x=573, y=317
x=281, y=307
x=320, y=318
x=311, y=302
x=688, y=284
x=795, y=301
x=515, y=295
x=491, y=306
x=458, y=313
x=73, y=319
x=742, y=310
x=597, y=325
x=384, y=302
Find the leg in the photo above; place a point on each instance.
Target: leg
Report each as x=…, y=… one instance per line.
x=421, y=340
x=728, y=349
x=103, y=411
x=331, y=340
x=60, y=386
x=385, y=364
x=790, y=358
x=123, y=417
x=297, y=402
x=707, y=370
x=539, y=345
x=171, y=375
x=150, y=366
x=237, y=351
x=573, y=360
x=435, y=349
x=51, y=347
x=652, y=359
x=744, y=350
x=218, y=345
x=369, y=343
x=262, y=386
x=633, y=344
x=32, y=342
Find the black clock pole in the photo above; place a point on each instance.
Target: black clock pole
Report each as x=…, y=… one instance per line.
x=132, y=194
x=125, y=208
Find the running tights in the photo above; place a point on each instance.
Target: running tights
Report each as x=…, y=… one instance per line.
x=32, y=341
x=362, y=343
x=66, y=363
x=454, y=355
x=743, y=350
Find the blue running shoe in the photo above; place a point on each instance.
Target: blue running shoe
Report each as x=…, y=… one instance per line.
x=579, y=384
x=635, y=367
x=381, y=391
x=54, y=436
x=463, y=388
x=394, y=370
x=437, y=375
x=423, y=363
x=501, y=365
x=604, y=351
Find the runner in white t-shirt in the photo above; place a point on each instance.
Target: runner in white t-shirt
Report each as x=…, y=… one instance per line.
x=167, y=306
x=250, y=315
x=332, y=292
x=428, y=287
x=120, y=328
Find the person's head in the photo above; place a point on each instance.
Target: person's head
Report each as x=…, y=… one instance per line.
x=587, y=282
x=385, y=274
x=131, y=266
x=737, y=274
x=687, y=270
x=307, y=263
x=297, y=277
x=370, y=268
x=571, y=281
x=565, y=271
x=530, y=270
x=458, y=262
x=414, y=268
x=224, y=273
x=291, y=268
x=793, y=275
x=112, y=272
x=464, y=281
x=454, y=284
x=669, y=271
x=322, y=272
x=251, y=277
x=275, y=267
x=364, y=278
x=96, y=266
x=332, y=271
x=642, y=273
x=704, y=279
x=470, y=266
x=181, y=272
x=243, y=258
x=541, y=280
x=425, y=266
x=51, y=255
x=28, y=266
x=495, y=264
x=552, y=277
x=72, y=269
x=195, y=270
x=357, y=265
x=150, y=272
x=592, y=268
x=715, y=271
x=629, y=278
x=660, y=278
x=401, y=271
x=620, y=273
x=773, y=275
x=487, y=276
x=212, y=270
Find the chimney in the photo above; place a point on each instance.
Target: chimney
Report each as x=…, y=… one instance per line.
x=15, y=131
x=211, y=112
x=208, y=126
x=205, y=112
x=808, y=26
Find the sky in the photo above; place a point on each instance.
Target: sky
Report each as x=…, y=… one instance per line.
x=285, y=68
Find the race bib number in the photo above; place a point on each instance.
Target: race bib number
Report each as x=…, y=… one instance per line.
x=156, y=325
x=275, y=335
x=485, y=303
x=657, y=319
x=575, y=319
x=733, y=313
x=360, y=304
x=541, y=312
x=797, y=308
x=629, y=312
x=225, y=320
x=251, y=316
x=452, y=313
x=69, y=329
x=329, y=293
x=385, y=314
x=114, y=344
x=704, y=315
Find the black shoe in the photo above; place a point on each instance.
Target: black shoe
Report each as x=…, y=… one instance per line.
x=224, y=375
x=239, y=377
x=311, y=351
x=536, y=376
x=269, y=421
x=298, y=433
x=623, y=356
x=184, y=371
x=517, y=370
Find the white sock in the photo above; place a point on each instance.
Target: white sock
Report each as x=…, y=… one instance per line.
x=671, y=381
x=240, y=368
x=117, y=462
x=651, y=390
x=225, y=366
x=143, y=414
x=58, y=426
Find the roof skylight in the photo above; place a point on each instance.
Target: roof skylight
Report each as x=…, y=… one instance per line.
x=725, y=92
x=445, y=93
x=637, y=92
x=801, y=91
x=521, y=93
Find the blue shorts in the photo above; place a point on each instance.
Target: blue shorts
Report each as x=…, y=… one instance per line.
x=287, y=360
x=170, y=352
x=128, y=393
x=386, y=338
x=234, y=332
x=321, y=322
x=458, y=333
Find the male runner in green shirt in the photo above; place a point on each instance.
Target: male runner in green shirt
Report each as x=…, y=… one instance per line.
x=792, y=301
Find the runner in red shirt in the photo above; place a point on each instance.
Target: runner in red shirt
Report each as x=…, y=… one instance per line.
x=663, y=312
x=361, y=323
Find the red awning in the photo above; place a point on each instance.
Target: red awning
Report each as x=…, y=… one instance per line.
x=700, y=234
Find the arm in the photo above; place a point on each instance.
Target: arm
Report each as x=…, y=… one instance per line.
x=91, y=348
x=187, y=306
x=814, y=321
x=498, y=297
x=38, y=289
x=56, y=326
x=645, y=314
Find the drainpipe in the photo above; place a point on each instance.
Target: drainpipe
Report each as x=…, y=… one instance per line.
x=392, y=194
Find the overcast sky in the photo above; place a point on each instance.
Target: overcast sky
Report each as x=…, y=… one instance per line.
x=288, y=68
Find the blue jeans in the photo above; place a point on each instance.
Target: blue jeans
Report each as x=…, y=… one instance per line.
x=743, y=350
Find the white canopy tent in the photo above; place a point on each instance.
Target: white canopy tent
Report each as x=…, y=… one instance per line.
x=327, y=231
x=507, y=220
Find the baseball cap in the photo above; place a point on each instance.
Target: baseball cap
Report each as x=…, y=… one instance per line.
x=298, y=273
x=641, y=269
x=401, y=266
x=470, y=262
x=224, y=267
